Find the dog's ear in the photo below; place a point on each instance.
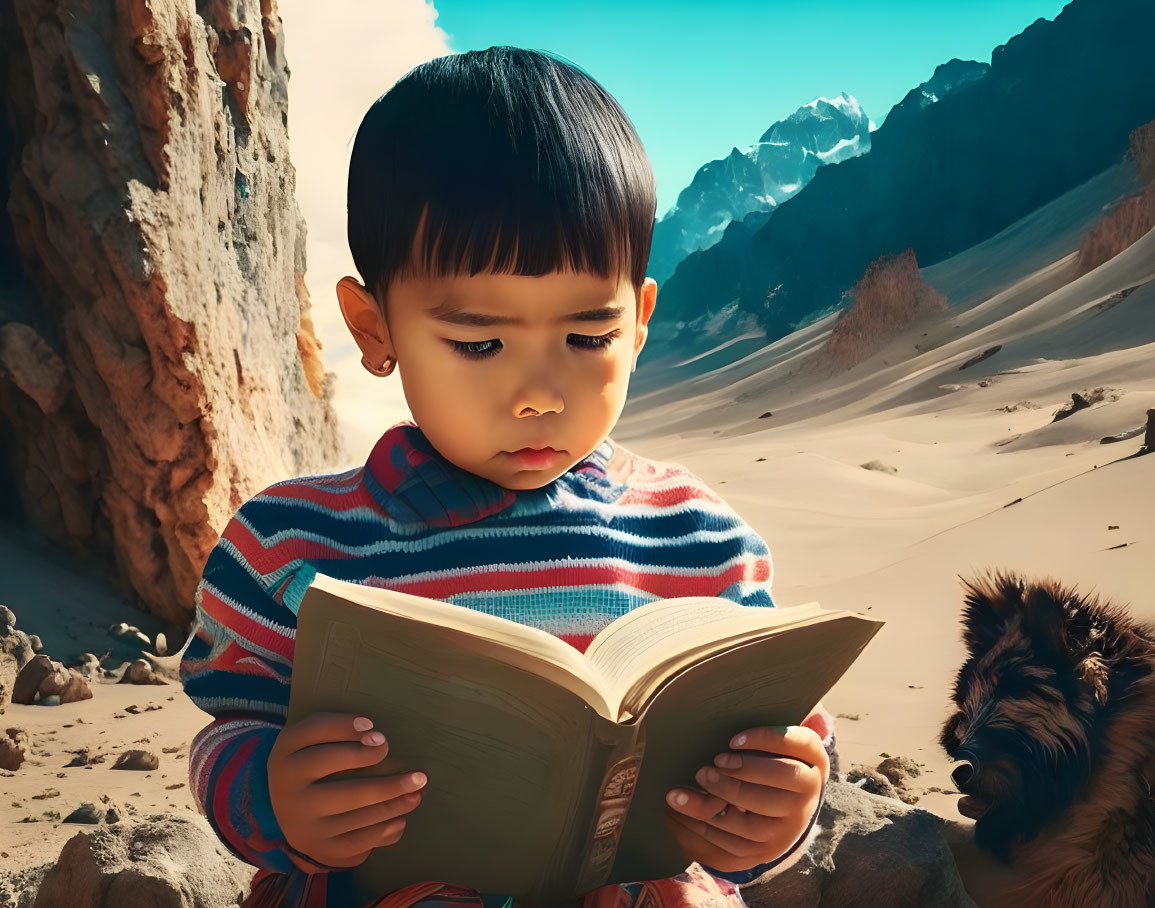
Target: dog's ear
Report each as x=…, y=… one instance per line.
x=1046, y=620
x=992, y=600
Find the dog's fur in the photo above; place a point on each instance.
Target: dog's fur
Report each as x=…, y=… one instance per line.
x=1055, y=710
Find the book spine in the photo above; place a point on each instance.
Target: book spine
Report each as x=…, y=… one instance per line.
x=623, y=747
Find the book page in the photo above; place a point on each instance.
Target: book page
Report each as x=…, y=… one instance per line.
x=612, y=650
x=644, y=642
x=666, y=658
x=529, y=648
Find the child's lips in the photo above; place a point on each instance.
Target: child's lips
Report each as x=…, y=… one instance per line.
x=535, y=457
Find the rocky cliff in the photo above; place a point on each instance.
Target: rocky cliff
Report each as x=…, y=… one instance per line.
x=890, y=296
x=157, y=359
x=1133, y=216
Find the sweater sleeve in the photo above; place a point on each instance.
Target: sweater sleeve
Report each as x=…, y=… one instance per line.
x=237, y=667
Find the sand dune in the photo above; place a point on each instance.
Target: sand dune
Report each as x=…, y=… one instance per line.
x=961, y=444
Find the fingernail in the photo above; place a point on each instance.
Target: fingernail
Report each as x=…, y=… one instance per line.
x=417, y=779
x=362, y=724
x=738, y=741
x=373, y=738
x=728, y=761
x=677, y=798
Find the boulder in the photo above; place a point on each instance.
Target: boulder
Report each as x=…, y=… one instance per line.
x=15, y=652
x=868, y=851
x=159, y=861
x=49, y=679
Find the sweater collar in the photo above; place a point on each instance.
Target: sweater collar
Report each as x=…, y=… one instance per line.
x=417, y=485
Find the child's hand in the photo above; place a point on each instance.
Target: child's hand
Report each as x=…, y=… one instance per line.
x=765, y=802
x=338, y=822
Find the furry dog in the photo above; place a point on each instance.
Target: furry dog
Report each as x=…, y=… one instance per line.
x=1054, y=729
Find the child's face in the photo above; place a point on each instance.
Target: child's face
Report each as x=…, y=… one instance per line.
x=539, y=382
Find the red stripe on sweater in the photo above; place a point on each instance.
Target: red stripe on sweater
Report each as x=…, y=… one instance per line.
x=334, y=499
x=245, y=627
x=660, y=584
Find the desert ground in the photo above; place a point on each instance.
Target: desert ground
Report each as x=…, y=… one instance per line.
x=968, y=472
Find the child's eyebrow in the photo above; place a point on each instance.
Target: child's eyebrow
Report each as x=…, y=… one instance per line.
x=447, y=313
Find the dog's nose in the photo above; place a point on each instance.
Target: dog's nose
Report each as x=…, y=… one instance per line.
x=962, y=773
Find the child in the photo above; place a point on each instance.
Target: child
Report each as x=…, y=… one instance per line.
x=501, y=208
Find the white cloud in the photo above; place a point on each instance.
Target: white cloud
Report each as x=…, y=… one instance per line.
x=343, y=55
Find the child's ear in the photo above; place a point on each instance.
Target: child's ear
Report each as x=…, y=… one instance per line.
x=364, y=319
x=647, y=299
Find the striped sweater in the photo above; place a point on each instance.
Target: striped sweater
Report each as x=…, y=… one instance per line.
x=612, y=533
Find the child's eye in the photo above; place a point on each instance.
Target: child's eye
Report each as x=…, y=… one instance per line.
x=487, y=348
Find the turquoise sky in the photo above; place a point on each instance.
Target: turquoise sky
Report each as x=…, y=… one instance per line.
x=699, y=78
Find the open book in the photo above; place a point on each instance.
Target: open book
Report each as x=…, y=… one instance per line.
x=548, y=768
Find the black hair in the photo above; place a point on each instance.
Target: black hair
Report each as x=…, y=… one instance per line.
x=525, y=163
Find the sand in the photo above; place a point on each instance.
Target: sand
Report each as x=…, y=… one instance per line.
x=962, y=445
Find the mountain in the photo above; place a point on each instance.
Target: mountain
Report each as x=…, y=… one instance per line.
x=948, y=77
x=759, y=178
x=1055, y=108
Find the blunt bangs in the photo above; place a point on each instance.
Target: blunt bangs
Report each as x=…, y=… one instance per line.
x=510, y=161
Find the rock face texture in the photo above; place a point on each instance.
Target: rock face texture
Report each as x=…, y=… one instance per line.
x=890, y=296
x=158, y=363
x=1133, y=216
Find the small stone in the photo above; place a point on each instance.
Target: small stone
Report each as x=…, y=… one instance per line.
x=140, y=672
x=174, y=785
x=896, y=769
x=47, y=793
x=34, y=639
x=170, y=750
x=7, y=619
x=86, y=813
x=11, y=754
x=28, y=680
x=141, y=760
x=126, y=633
